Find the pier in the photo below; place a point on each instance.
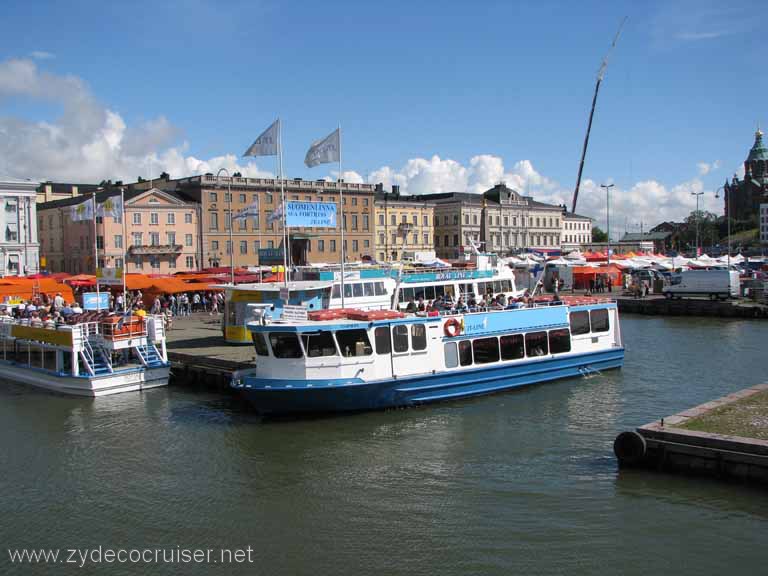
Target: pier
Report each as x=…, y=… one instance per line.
x=660, y=306
x=200, y=357
x=726, y=438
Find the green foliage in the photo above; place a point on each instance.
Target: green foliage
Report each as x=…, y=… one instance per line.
x=598, y=235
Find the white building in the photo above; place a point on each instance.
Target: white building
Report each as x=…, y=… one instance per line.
x=764, y=223
x=19, y=248
x=576, y=233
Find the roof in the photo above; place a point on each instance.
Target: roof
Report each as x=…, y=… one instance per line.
x=472, y=198
x=103, y=195
x=758, y=151
x=572, y=216
x=644, y=236
x=66, y=187
x=275, y=286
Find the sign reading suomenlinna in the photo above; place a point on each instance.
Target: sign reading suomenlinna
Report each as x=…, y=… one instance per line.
x=310, y=214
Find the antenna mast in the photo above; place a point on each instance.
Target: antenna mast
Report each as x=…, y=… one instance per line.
x=600, y=75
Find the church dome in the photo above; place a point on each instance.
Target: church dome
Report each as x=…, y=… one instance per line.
x=759, y=151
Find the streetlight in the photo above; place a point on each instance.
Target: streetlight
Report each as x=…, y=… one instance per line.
x=229, y=207
x=727, y=218
x=698, y=249
x=608, y=216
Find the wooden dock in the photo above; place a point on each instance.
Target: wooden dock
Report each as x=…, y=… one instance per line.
x=660, y=306
x=666, y=445
x=200, y=357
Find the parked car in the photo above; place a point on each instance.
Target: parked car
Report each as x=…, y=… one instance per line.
x=716, y=284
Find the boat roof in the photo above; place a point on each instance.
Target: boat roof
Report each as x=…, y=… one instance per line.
x=338, y=324
x=276, y=286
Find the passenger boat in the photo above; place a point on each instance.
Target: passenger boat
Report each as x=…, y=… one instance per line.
x=95, y=356
x=357, y=360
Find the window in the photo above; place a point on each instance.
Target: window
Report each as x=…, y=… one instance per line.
x=354, y=201
x=187, y=239
x=419, y=337
x=512, y=347
x=400, y=338
x=227, y=197
x=599, y=320
x=154, y=238
x=486, y=350
x=227, y=219
x=379, y=289
x=321, y=245
x=393, y=220
x=455, y=239
x=580, y=322
x=355, y=245
x=190, y=262
x=214, y=245
x=243, y=247
x=319, y=344
x=426, y=238
x=269, y=198
x=256, y=246
x=333, y=245
x=229, y=247
x=536, y=344
x=118, y=262
x=451, y=355
x=270, y=244
x=354, y=343
x=118, y=241
x=559, y=341
x=171, y=218
x=285, y=345
x=383, y=340
x=172, y=262
x=154, y=261
x=365, y=222
x=357, y=290
x=242, y=198
x=137, y=217
x=381, y=219
x=188, y=218
x=465, y=352
x=425, y=220
x=137, y=238
x=260, y=344
x=214, y=221
x=154, y=218
x=171, y=238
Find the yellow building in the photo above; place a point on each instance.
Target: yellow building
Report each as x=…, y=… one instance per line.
x=404, y=225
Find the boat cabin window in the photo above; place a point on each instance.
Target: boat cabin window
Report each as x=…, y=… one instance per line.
x=451, y=355
x=465, y=352
x=599, y=319
x=347, y=290
x=400, y=338
x=486, y=350
x=318, y=344
x=354, y=343
x=260, y=344
x=512, y=347
x=559, y=341
x=536, y=344
x=465, y=289
x=285, y=345
x=379, y=289
x=580, y=322
x=418, y=337
x=336, y=291
x=383, y=340
x=368, y=288
x=357, y=290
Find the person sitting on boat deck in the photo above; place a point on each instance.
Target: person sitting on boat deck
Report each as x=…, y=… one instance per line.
x=138, y=310
x=411, y=306
x=49, y=323
x=35, y=321
x=421, y=305
x=76, y=308
x=497, y=304
x=460, y=305
x=29, y=309
x=471, y=302
x=67, y=310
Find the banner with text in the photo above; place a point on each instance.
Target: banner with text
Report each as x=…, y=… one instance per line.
x=310, y=214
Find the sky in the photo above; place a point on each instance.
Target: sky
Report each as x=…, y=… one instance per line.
x=434, y=96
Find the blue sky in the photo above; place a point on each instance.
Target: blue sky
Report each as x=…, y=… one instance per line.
x=495, y=90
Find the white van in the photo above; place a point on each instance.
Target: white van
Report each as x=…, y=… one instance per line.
x=713, y=283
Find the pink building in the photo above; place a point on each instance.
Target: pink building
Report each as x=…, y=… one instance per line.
x=160, y=234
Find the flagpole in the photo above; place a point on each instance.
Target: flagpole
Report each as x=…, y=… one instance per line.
x=341, y=205
x=125, y=241
x=282, y=198
x=96, y=253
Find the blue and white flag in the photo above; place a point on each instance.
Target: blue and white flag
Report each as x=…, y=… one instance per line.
x=276, y=215
x=251, y=210
x=82, y=211
x=266, y=144
x=324, y=151
x=112, y=206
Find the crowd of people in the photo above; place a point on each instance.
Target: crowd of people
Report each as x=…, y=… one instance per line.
x=445, y=304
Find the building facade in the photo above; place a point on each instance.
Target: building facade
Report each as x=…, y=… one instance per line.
x=50, y=191
x=159, y=235
x=743, y=197
x=403, y=225
x=764, y=223
x=19, y=247
x=502, y=219
x=218, y=198
x=576, y=233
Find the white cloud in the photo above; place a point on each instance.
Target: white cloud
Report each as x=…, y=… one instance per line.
x=88, y=142
x=705, y=168
x=41, y=55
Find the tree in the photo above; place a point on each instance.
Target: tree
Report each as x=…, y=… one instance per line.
x=598, y=235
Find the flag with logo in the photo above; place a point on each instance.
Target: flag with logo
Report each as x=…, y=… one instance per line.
x=82, y=211
x=276, y=215
x=266, y=144
x=112, y=206
x=324, y=151
x=252, y=210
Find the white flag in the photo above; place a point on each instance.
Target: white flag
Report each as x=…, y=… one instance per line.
x=82, y=211
x=276, y=215
x=251, y=210
x=112, y=206
x=266, y=144
x=324, y=151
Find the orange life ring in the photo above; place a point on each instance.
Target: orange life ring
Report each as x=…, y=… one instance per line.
x=452, y=327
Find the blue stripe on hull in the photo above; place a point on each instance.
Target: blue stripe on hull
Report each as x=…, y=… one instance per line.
x=429, y=387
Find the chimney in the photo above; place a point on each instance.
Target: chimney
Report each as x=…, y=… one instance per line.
x=379, y=187
x=396, y=189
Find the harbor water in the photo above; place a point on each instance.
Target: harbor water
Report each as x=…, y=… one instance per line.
x=523, y=482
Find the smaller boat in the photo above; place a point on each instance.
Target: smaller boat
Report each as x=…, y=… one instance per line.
x=97, y=355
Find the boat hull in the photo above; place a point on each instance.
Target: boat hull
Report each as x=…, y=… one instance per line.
x=90, y=386
x=282, y=397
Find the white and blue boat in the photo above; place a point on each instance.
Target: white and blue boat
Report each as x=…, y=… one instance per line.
x=374, y=360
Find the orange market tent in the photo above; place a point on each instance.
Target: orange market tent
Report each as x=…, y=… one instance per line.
x=26, y=288
x=583, y=274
